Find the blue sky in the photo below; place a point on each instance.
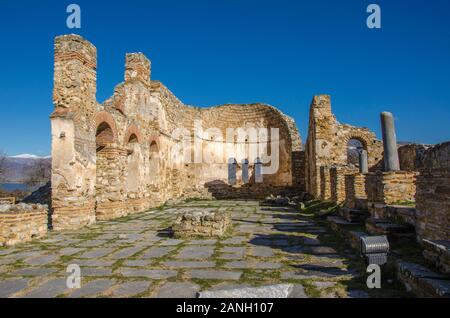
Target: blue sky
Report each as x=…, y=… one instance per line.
x=240, y=51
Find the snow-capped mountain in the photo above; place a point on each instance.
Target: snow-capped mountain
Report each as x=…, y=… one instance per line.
x=17, y=167
x=28, y=156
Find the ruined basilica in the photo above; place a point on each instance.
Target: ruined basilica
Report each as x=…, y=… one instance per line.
x=122, y=156
x=116, y=158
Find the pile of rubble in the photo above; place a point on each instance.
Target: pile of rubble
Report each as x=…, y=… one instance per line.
x=201, y=224
x=284, y=200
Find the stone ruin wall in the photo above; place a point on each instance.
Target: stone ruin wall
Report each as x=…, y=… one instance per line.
x=433, y=194
x=116, y=158
x=326, y=148
x=389, y=188
x=411, y=156
x=22, y=222
x=338, y=182
x=355, y=191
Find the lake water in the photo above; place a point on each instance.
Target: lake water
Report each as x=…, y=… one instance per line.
x=13, y=186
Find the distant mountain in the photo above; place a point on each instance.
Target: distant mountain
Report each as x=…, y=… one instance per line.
x=28, y=156
x=17, y=168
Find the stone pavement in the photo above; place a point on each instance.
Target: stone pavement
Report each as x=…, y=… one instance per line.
x=136, y=257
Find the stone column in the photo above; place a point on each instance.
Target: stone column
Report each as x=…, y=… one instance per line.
x=391, y=162
x=363, y=164
x=73, y=133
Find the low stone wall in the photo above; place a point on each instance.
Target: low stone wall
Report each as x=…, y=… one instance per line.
x=78, y=215
x=203, y=224
x=401, y=214
x=22, y=223
x=387, y=188
x=221, y=191
x=433, y=194
x=355, y=191
x=337, y=182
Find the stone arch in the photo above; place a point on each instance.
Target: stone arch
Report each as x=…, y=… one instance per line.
x=370, y=144
x=154, y=157
x=154, y=145
x=133, y=133
x=362, y=138
x=106, y=131
x=109, y=162
x=154, y=148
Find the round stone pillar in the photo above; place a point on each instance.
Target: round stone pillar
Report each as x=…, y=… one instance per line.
x=363, y=162
x=391, y=162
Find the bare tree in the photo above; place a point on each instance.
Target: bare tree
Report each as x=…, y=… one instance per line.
x=38, y=174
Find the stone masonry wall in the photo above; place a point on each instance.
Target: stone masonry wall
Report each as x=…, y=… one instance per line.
x=410, y=157
x=388, y=188
x=327, y=143
x=325, y=183
x=22, y=222
x=433, y=194
x=355, y=191
x=337, y=182
x=73, y=132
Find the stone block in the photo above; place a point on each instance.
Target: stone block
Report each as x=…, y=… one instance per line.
x=202, y=223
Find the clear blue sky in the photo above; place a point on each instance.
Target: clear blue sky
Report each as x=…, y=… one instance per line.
x=240, y=51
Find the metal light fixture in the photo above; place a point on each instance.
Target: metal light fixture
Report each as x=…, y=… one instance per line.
x=374, y=249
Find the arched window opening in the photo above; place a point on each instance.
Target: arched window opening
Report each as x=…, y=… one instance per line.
x=354, y=148
x=154, y=150
x=103, y=136
x=133, y=139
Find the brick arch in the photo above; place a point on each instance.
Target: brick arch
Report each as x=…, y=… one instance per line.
x=133, y=130
x=364, y=139
x=105, y=117
x=154, y=139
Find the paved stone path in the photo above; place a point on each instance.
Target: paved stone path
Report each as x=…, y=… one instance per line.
x=135, y=257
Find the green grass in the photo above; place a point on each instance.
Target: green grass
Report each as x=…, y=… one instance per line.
x=407, y=203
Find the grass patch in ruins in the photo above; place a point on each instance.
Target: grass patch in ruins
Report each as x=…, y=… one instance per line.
x=408, y=203
x=205, y=284
x=318, y=206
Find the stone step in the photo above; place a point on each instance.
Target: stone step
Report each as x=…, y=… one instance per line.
x=422, y=281
x=354, y=215
x=438, y=254
x=394, y=231
x=271, y=291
